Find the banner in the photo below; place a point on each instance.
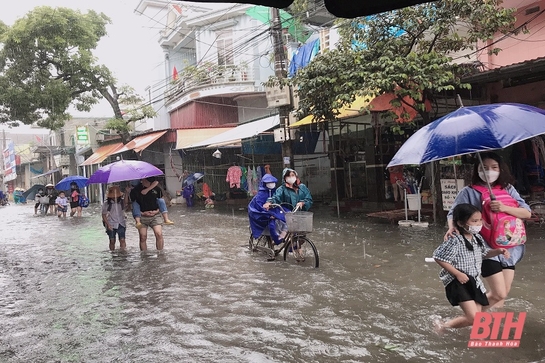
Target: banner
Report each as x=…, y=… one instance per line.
x=10, y=165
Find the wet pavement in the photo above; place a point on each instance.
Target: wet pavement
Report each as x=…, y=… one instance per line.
x=206, y=298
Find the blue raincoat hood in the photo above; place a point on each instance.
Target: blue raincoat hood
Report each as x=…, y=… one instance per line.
x=267, y=178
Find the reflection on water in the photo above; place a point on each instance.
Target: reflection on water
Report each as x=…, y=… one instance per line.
x=206, y=298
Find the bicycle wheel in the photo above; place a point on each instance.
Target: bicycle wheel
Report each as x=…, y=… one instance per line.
x=262, y=241
x=301, y=251
x=538, y=212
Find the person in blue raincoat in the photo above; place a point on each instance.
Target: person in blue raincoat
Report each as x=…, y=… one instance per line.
x=262, y=218
x=188, y=193
x=292, y=192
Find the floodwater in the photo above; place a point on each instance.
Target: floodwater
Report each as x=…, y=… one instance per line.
x=66, y=298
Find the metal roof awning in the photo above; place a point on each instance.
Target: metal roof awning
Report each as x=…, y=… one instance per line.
x=46, y=174
x=186, y=137
x=102, y=153
x=139, y=143
x=351, y=110
x=235, y=135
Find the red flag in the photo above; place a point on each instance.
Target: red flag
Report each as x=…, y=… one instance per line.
x=175, y=74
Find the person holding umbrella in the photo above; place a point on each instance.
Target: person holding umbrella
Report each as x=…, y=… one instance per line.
x=492, y=192
x=136, y=213
x=151, y=215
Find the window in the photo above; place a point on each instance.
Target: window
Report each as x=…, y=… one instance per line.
x=225, y=47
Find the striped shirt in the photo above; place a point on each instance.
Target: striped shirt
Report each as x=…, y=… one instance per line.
x=455, y=252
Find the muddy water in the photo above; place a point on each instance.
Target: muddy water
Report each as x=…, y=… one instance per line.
x=206, y=298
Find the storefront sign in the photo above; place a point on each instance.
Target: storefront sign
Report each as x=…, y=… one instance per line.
x=82, y=135
x=449, y=192
x=10, y=170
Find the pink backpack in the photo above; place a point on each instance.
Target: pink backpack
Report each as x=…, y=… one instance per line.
x=500, y=230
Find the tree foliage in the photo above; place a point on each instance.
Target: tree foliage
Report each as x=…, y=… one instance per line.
x=410, y=51
x=47, y=64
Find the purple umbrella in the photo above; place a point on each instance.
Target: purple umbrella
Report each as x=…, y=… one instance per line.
x=123, y=170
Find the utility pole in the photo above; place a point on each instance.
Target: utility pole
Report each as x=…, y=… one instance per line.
x=280, y=71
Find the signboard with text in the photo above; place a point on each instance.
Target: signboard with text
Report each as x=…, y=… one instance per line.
x=10, y=169
x=449, y=192
x=82, y=135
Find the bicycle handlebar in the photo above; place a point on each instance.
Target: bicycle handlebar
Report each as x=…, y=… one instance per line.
x=280, y=205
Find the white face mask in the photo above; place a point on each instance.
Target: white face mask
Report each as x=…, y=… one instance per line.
x=492, y=175
x=474, y=229
x=270, y=185
x=290, y=179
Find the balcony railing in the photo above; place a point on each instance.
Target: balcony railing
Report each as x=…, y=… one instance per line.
x=193, y=78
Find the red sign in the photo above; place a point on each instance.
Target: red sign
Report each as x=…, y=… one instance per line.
x=485, y=332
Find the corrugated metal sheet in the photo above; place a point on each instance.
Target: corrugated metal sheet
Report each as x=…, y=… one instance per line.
x=208, y=112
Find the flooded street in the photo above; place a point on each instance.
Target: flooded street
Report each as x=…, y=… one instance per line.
x=66, y=298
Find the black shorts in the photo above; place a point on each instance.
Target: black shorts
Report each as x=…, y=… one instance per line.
x=458, y=292
x=492, y=267
x=74, y=205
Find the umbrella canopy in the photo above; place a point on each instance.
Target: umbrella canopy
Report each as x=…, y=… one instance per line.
x=193, y=178
x=340, y=8
x=64, y=184
x=123, y=170
x=471, y=129
x=30, y=193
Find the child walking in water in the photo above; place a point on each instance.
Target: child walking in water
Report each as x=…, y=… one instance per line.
x=460, y=257
x=113, y=217
x=62, y=205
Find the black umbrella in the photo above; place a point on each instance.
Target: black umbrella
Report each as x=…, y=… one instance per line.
x=339, y=8
x=30, y=193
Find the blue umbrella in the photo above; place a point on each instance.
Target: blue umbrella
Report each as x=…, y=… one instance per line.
x=193, y=178
x=471, y=129
x=64, y=184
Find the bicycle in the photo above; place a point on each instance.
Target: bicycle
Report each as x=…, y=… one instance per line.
x=297, y=247
x=538, y=211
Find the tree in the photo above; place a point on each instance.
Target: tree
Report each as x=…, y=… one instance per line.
x=408, y=52
x=47, y=64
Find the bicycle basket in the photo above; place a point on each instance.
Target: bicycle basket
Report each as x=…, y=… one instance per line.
x=299, y=221
x=44, y=200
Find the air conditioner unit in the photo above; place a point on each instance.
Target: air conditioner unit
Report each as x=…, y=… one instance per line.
x=99, y=137
x=281, y=136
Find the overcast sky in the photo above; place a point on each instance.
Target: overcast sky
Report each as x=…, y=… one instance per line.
x=130, y=50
